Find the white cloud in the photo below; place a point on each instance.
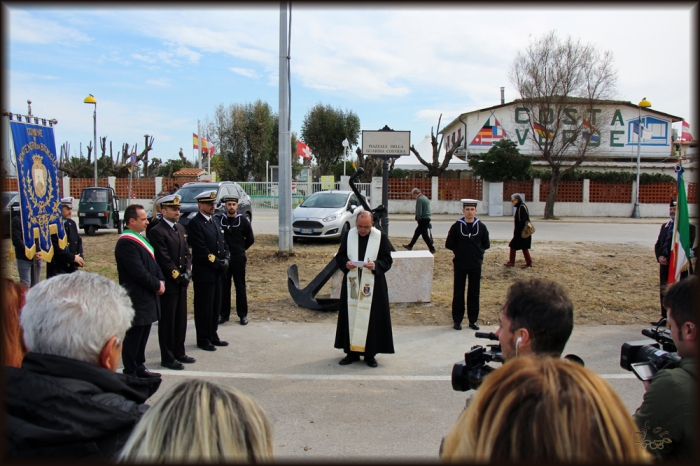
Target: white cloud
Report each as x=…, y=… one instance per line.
x=247, y=72
x=28, y=29
x=162, y=82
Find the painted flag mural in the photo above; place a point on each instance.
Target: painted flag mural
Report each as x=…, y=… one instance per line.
x=539, y=129
x=195, y=141
x=680, y=243
x=685, y=131
x=303, y=150
x=490, y=133
x=590, y=133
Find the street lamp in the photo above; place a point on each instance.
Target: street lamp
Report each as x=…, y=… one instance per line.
x=90, y=99
x=646, y=104
x=345, y=145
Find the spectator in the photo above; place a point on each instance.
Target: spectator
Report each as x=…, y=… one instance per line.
x=423, y=219
x=521, y=217
x=175, y=188
x=67, y=401
x=12, y=347
x=666, y=418
x=544, y=410
x=25, y=266
x=201, y=421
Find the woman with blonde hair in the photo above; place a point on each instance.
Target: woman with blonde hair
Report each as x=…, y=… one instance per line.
x=544, y=410
x=12, y=347
x=199, y=421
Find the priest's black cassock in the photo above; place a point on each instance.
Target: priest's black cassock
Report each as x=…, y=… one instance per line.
x=379, y=336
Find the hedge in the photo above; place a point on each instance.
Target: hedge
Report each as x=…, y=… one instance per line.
x=604, y=177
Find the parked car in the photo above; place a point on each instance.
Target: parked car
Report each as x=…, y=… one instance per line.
x=325, y=214
x=97, y=209
x=8, y=198
x=188, y=203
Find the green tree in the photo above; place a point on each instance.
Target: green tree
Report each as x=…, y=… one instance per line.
x=324, y=129
x=501, y=163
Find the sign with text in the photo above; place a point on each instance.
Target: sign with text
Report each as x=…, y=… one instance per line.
x=387, y=143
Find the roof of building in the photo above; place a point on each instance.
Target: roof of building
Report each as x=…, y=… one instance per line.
x=189, y=172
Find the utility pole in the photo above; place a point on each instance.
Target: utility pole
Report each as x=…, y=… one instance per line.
x=285, y=142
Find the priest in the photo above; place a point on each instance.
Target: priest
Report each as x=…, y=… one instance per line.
x=364, y=322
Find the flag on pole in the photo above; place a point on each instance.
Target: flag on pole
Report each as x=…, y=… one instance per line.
x=680, y=243
x=132, y=158
x=646, y=132
x=685, y=131
x=195, y=141
x=303, y=150
x=211, y=151
x=205, y=144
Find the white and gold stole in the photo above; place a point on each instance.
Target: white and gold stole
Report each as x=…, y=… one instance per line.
x=360, y=288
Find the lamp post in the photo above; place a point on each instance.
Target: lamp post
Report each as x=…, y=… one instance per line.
x=90, y=99
x=646, y=104
x=345, y=145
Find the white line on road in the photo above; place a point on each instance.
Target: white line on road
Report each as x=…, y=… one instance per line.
x=400, y=378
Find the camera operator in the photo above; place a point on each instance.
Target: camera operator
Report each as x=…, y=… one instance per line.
x=537, y=318
x=666, y=417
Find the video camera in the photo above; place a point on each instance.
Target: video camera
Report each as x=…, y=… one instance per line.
x=646, y=357
x=469, y=374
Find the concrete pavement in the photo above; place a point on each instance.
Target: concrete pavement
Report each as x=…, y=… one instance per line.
x=397, y=411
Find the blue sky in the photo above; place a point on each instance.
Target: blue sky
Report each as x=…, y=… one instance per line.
x=158, y=70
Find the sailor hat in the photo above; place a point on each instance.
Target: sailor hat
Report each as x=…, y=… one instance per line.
x=206, y=196
x=226, y=199
x=171, y=200
x=469, y=202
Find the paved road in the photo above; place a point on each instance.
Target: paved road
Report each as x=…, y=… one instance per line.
x=605, y=230
x=397, y=411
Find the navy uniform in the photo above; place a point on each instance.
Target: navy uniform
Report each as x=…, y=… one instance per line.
x=238, y=234
x=141, y=277
x=210, y=260
x=169, y=241
x=467, y=241
x=63, y=260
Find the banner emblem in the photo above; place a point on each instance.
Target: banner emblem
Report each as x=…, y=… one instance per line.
x=40, y=175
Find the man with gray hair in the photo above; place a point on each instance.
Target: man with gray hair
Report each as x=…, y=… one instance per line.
x=67, y=400
x=423, y=219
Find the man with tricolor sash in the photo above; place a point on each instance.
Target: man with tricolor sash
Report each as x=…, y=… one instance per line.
x=364, y=321
x=143, y=280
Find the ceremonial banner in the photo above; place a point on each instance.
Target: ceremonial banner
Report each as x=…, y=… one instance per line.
x=39, y=193
x=680, y=244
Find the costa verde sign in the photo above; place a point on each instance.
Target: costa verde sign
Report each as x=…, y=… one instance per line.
x=387, y=143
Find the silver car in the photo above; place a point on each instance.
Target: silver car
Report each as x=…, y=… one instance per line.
x=326, y=214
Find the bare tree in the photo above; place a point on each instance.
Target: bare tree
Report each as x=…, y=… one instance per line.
x=560, y=83
x=436, y=168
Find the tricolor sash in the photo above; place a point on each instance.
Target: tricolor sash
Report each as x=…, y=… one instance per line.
x=133, y=236
x=360, y=288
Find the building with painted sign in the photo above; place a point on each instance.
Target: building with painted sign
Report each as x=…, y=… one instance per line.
x=610, y=127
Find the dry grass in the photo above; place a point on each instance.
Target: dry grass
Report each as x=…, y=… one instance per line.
x=609, y=284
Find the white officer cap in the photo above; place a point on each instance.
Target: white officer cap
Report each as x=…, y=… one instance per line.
x=206, y=196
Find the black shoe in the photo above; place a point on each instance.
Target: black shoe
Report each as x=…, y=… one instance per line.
x=146, y=374
x=457, y=326
x=408, y=246
x=473, y=326
x=371, y=362
x=433, y=251
x=349, y=359
x=207, y=347
x=244, y=320
x=222, y=321
x=186, y=359
x=175, y=365
x=220, y=343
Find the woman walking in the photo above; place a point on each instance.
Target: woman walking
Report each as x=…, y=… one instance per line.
x=521, y=217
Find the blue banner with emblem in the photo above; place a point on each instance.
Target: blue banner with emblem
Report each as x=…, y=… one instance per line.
x=39, y=192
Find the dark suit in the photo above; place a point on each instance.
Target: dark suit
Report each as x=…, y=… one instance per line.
x=239, y=237
x=140, y=275
x=661, y=249
x=174, y=258
x=63, y=259
x=205, y=238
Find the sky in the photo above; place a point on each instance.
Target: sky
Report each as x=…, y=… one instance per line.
x=158, y=71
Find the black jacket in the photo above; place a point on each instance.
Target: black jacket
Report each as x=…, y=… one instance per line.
x=206, y=239
x=521, y=217
x=18, y=238
x=172, y=253
x=468, y=243
x=238, y=234
x=63, y=259
x=64, y=408
x=140, y=275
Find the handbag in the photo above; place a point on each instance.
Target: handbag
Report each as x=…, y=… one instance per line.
x=528, y=230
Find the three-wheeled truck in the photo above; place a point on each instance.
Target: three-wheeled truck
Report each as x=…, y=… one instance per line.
x=98, y=209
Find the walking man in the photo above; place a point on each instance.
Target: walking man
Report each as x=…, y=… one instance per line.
x=143, y=280
x=169, y=242
x=468, y=238
x=210, y=260
x=239, y=237
x=423, y=219
x=66, y=259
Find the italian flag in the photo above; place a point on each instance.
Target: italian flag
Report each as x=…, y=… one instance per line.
x=680, y=244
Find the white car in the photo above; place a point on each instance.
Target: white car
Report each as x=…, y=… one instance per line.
x=326, y=214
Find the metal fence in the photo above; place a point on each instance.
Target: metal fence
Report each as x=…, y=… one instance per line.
x=265, y=195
